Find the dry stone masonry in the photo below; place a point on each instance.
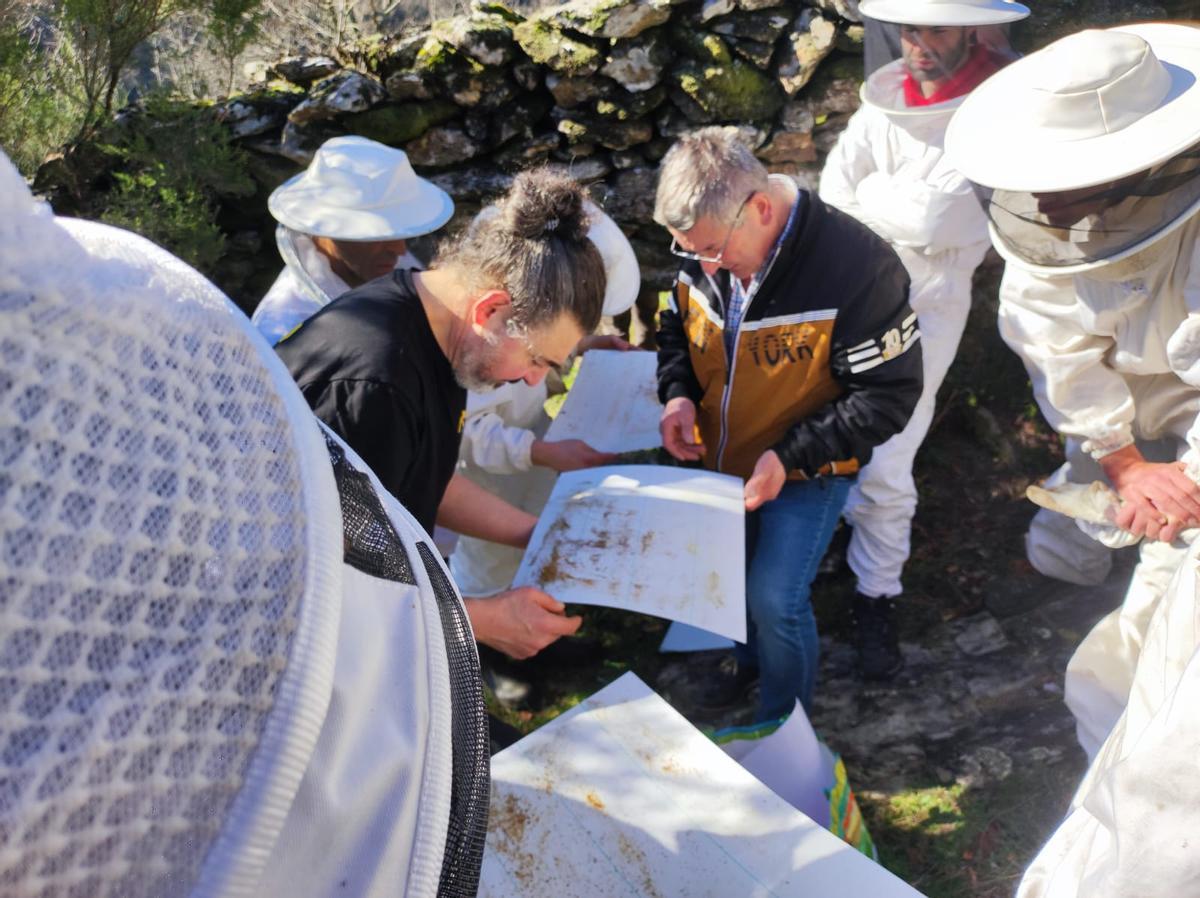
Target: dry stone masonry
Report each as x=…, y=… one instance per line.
x=598, y=87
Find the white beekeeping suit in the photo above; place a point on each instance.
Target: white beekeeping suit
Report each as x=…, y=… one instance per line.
x=234, y=666
x=1101, y=362
x=1131, y=827
x=502, y=425
x=305, y=286
x=495, y=453
x=888, y=171
x=1103, y=308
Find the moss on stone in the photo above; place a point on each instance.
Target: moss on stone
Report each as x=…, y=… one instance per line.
x=609, y=134
x=608, y=18
x=502, y=10
x=433, y=54
x=484, y=38
x=699, y=45
x=574, y=131
x=273, y=89
x=590, y=18
x=732, y=92
x=627, y=106
x=548, y=46
x=399, y=123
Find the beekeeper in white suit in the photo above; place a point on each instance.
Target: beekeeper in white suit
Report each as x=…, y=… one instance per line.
x=1089, y=150
x=503, y=447
x=233, y=664
x=889, y=171
x=1129, y=830
x=343, y=221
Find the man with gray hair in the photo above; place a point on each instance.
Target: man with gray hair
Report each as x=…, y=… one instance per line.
x=788, y=353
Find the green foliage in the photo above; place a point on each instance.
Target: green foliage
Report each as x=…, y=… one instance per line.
x=54, y=89
x=104, y=35
x=233, y=25
x=171, y=212
x=960, y=839
x=175, y=160
x=38, y=110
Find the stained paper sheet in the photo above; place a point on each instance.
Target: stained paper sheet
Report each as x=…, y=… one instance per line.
x=613, y=404
x=622, y=796
x=663, y=541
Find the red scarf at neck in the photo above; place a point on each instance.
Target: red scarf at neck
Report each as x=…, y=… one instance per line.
x=980, y=65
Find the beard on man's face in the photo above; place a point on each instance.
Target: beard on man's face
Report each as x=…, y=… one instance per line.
x=473, y=370
x=926, y=63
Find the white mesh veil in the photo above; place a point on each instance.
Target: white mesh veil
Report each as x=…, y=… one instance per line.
x=1083, y=229
x=170, y=563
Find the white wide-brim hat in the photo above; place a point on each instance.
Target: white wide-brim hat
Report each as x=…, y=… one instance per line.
x=356, y=189
x=1090, y=108
x=951, y=13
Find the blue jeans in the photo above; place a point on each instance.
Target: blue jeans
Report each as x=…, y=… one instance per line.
x=785, y=541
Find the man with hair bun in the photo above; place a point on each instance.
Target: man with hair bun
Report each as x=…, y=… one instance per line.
x=387, y=366
x=788, y=353
x=240, y=669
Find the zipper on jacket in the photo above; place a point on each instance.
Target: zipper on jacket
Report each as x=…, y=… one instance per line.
x=731, y=362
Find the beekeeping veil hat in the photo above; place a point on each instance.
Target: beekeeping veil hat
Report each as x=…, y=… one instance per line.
x=1086, y=151
x=173, y=552
x=360, y=190
x=980, y=48
x=944, y=13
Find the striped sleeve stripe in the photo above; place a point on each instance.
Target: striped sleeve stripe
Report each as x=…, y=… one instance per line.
x=906, y=325
x=878, y=359
x=863, y=345
x=872, y=348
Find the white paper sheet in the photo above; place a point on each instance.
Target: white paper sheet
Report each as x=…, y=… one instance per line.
x=791, y=763
x=622, y=796
x=613, y=404
x=685, y=638
x=660, y=540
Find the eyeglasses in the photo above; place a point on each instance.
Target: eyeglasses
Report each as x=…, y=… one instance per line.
x=720, y=256
x=536, y=359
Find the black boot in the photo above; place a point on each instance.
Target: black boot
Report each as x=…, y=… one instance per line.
x=876, y=638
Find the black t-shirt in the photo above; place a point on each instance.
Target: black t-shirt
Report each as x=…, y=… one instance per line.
x=371, y=369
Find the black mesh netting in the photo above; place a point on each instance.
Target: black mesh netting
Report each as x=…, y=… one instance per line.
x=469, y=796
x=371, y=545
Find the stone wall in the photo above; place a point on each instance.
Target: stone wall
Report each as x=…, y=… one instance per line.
x=598, y=87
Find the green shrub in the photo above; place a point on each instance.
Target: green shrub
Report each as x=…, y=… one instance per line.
x=38, y=108
x=176, y=216
x=175, y=161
